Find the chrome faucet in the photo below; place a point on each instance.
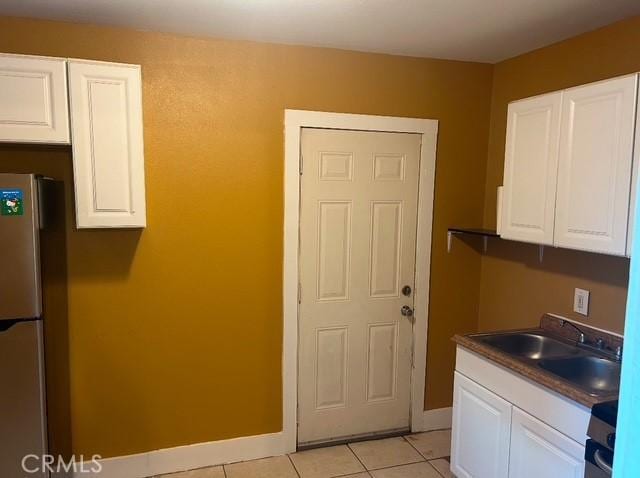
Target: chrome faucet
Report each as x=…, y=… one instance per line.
x=580, y=332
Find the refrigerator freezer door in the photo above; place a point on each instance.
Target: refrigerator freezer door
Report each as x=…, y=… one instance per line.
x=22, y=398
x=20, y=295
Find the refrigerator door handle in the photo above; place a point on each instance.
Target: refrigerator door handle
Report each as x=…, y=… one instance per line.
x=7, y=324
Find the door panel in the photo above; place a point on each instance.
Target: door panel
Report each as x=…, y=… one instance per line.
x=386, y=232
x=539, y=450
x=596, y=149
x=334, y=249
x=381, y=366
x=357, y=250
x=531, y=161
x=480, y=433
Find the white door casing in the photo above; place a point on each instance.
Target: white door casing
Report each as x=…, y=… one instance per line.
x=295, y=120
x=481, y=430
x=531, y=168
x=33, y=100
x=594, y=166
x=357, y=251
x=539, y=450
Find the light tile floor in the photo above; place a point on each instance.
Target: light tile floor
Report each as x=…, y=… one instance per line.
x=419, y=455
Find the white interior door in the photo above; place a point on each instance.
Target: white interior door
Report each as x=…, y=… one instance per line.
x=359, y=196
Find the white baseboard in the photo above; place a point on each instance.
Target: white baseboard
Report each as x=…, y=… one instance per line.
x=437, y=419
x=182, y=458
x=200, y=455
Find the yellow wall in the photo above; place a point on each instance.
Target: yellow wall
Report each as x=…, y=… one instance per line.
x=515, y=288
x=174, y=334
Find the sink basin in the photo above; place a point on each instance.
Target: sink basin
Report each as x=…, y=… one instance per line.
x=596, y=375
x=529, y=345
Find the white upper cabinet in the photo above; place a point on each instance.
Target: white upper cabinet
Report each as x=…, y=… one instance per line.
x=539, y=450
x=530, y=171
x=108, y=156
x=480, y=431
x=33, y=100
x=594, y=170
x=568, y=167
x=634, y=185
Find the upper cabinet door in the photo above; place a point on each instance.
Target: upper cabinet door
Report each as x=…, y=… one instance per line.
x=33, y=100
x=108, y=156
x=531, y=161
x=480, y=431
x=539, y=450
x=594, y=170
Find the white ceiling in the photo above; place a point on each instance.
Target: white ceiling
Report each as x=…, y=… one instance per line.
x=476, y=30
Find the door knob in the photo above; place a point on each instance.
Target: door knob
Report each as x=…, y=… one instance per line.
x=406, y=311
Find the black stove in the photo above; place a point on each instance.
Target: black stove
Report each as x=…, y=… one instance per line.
x=601, y=443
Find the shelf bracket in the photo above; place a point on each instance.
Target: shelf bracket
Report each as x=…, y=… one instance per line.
x=449, y=237
x=485, y=242
x=540, y=252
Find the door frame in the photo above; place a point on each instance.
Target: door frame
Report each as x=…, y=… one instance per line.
x=294, y=121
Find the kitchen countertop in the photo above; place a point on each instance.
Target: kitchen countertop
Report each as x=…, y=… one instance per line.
x=548, y=325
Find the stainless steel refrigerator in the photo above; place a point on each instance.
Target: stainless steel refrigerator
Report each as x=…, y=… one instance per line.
x=22, y=387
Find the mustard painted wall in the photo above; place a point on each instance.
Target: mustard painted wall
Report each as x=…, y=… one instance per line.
x=174, y=333
x=516, y=289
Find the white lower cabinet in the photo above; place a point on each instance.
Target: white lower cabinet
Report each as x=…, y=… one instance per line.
x=481, y=429
x=505, y=426
x=537, y=450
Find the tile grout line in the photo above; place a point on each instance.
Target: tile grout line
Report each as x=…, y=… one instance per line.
x=358, y=458
x=432, y=466
x=427, y=459
x=412, y=446
x=422, y=460
x=293, y=465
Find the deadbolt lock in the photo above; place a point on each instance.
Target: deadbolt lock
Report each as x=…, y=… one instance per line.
x=406, y=290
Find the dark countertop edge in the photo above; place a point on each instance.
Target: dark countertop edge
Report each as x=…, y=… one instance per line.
x=530, y=372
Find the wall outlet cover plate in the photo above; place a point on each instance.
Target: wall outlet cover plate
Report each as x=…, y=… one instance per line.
x=581, y=301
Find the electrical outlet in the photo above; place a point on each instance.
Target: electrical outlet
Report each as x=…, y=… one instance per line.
x=581, y=301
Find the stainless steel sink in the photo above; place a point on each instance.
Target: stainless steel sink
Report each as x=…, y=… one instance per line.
x=529, y=345
x=581, y=365
x=595, y=374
